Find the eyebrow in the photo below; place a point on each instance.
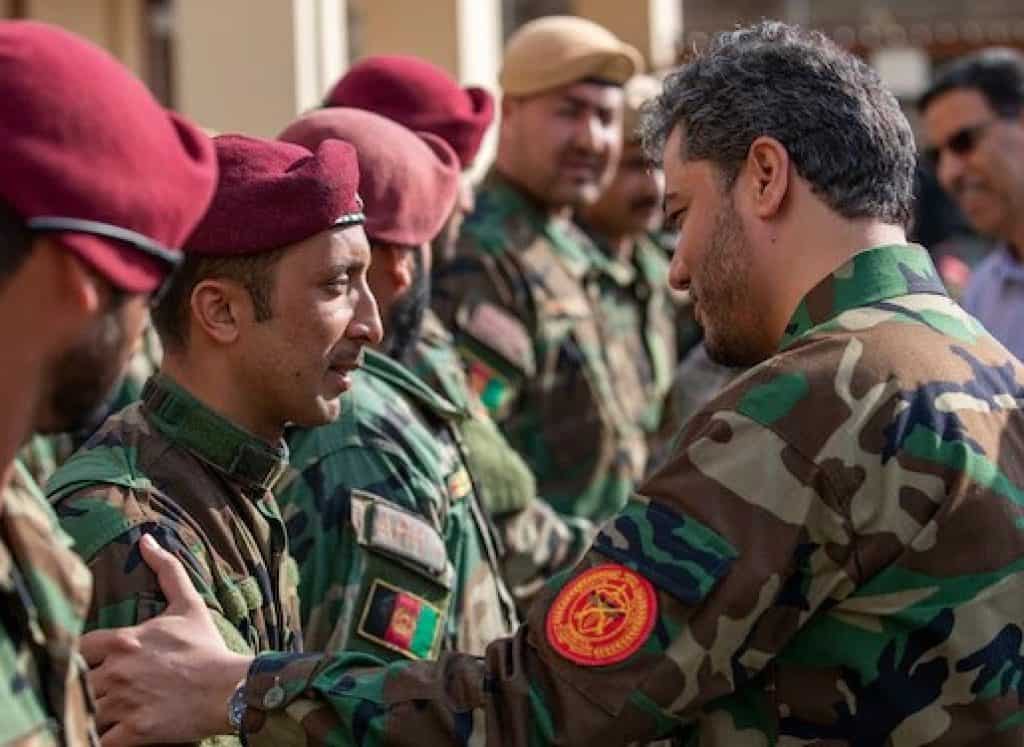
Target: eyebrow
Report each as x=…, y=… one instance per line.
x=341, y=268
x=584, y=103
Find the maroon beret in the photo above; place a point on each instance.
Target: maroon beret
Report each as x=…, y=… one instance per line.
x=409, y=179
x=421, y=96
x=271, y=194
x=84, y=146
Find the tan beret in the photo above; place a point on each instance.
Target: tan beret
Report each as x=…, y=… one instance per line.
x=639, y=90
x=554, y=51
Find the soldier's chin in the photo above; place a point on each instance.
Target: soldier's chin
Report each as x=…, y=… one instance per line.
x=732, y=351
x=326, y=410
x=579, y=194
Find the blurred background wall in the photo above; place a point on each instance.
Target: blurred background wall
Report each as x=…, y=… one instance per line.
x=252, y=65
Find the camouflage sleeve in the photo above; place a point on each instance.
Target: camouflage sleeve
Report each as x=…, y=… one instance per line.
x=538, y=543
x=483, y=302
x=107, y=525
x=44, y=594
x=663, y=615
x=374, y=570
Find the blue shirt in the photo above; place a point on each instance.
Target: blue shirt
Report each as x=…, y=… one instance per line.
x=995, y=296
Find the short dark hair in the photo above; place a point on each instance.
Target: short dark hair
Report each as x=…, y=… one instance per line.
x=255, y=273
x=15, y=242
x=997, y=73
x=844, y=131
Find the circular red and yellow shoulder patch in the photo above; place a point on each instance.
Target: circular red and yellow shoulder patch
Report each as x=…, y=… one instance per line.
x=602, y=616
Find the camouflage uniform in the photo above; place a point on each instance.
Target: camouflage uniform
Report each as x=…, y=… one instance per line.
x=532, y=336
x=41, y=456
x=170, y=467
x=834, y=555
x=697, y=379
x=44, y=595
x=641, y=317
x=396, y=557
x=535, y=541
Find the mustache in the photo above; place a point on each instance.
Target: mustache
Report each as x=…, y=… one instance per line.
x=349, y=361
x=579, y=157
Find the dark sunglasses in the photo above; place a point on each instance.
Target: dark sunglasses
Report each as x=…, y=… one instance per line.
x=962, y=142
x=142, y=244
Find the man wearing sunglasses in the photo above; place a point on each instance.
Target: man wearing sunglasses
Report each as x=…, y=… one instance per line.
x=974, y=123
x=92, y=210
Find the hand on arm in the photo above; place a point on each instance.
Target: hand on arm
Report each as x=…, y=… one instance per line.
x=169, y=679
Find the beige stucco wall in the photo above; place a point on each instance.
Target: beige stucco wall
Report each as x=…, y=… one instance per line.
x=116, y=25
x=253, y=65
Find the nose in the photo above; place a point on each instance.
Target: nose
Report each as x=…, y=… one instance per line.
x=588, y=133
x=678, y=272
x=655, y=183
x=366, y=325
x=949, y=169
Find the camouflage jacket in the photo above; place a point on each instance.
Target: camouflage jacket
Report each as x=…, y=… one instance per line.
x=833, y=556
x=641, y=317
x=43, y=454
x=516, y=298
x=535, y=541
x=395, y=556
x=44, y=595
x=170, y=467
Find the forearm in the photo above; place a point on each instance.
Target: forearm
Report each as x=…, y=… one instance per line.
x=539, y=543
x=521, y=693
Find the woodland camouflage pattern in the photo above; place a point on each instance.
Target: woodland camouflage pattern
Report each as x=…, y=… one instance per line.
x=170, y=467
x=641, y=317
x=44, y=595
x=535, y=541
x=534, y=344
x=386, y=526
x=505, y=483
x=861, y=486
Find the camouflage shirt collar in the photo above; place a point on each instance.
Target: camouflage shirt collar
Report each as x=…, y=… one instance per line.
x=605, y=262
x=188, y=423
x=652, y=260
x=401, y=378
x=566, y=241
x=872, y=276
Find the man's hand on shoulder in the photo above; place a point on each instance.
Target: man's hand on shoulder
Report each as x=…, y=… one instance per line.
x=169, y=679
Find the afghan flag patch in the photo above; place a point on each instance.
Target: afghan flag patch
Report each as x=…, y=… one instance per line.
x=400, y=621
x=459, y=484
x=602, y=616
x=491, y=387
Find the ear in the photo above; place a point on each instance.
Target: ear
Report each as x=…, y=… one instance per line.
x=77, y=285
x=217, y=307
x=400, y=267
x=767, y=176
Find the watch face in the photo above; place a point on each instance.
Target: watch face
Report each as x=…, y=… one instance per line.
x=236, y=707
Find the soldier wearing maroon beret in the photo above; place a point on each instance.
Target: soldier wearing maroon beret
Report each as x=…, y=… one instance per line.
x=93, y=211
x=264, y=325
x=406, y=445
x=424, y=98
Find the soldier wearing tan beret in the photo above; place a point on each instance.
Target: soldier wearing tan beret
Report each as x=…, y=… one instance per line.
x=521, y=293
x=642, y=314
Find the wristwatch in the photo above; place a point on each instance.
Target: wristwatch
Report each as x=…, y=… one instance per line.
x=236, y=707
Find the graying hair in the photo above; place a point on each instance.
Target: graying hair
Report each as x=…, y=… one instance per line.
x=844, y=131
